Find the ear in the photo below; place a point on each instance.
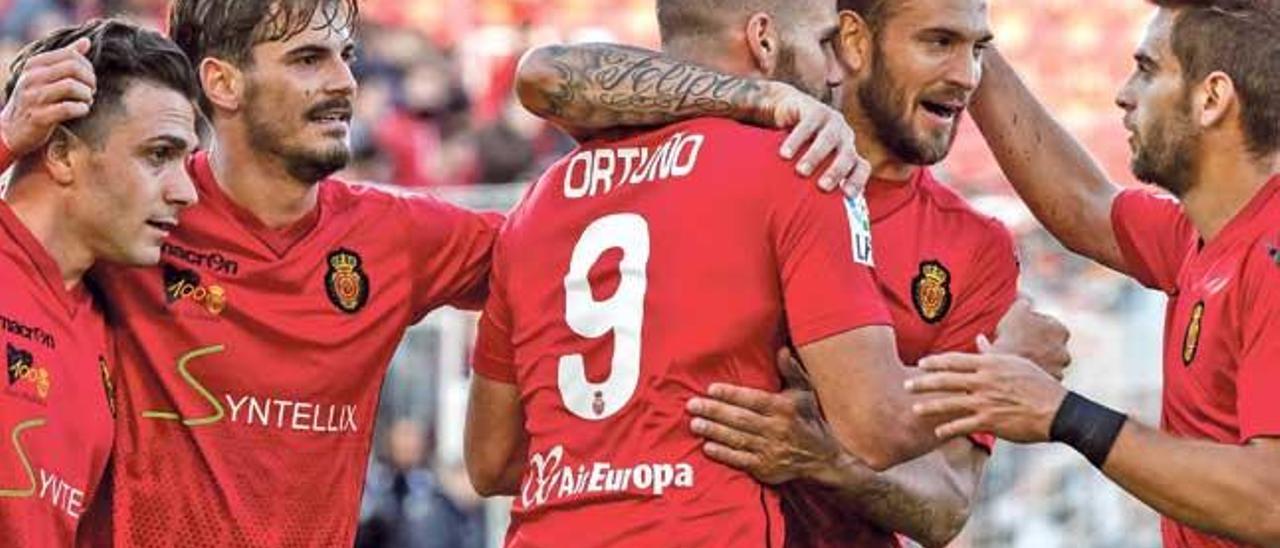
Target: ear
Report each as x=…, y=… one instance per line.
x=223, y=83
x=1215, y=99
x=763, y=42
x=58, y=153
x=854, y=42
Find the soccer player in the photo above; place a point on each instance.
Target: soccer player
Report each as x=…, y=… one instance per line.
x=948, y=273
x=1204, y=119
x=100, y=119
x=253, y=356
x=646, y=266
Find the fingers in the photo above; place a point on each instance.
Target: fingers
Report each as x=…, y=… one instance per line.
x=963, y=426
x=727, y=436
x=76, y=68
x=742, y=460
x=793, y=373
x=947, y=406
x=758, y=401
x=942, y=382
x=984, y=344
x=953, y=361
x=62, y=90
x=858, y=179
x=831, y=137
x=801, y=134
x=726, y=414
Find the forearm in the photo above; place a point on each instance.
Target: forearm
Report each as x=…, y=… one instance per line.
x=1057, y=178
x=927, y=499
x=1224, y=489
x=593, y=87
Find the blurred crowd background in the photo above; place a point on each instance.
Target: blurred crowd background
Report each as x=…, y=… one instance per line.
x=436, y=112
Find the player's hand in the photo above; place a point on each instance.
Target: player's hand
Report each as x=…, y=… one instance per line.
x=773, y=437
x=1006, y=395
x=53, y=88
x=824, y=130
x=1035, y=336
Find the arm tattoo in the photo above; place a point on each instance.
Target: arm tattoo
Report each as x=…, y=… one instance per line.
x=602, y=86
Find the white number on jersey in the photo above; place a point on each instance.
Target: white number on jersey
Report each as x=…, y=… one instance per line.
x=623, y=314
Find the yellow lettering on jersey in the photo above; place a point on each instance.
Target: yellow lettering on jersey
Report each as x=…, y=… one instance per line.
x=218, y=411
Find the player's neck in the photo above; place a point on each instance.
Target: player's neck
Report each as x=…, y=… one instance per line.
x=884, y=165
x=45, y=217
x=1224, y=184
x=258, y=182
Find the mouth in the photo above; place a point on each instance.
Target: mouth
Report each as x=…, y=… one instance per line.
x=332, y=112
x=946, y=111
x=164, y=225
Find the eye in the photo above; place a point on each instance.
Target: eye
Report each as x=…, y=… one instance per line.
x=160, y=156
x=309, y=60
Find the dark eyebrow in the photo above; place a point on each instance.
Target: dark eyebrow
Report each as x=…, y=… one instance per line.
x=172, y=140
x=307, y=49
x=1144, y=59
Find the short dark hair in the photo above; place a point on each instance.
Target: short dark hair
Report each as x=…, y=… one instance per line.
x=1240, y=38
x=874, y=12
x=121, y=54
x=229, y=29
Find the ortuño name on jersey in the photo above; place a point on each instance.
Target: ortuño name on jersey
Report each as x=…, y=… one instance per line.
x=597, y=171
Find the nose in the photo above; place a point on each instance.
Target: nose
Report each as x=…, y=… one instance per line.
x=179, y=190
x=342, y=81
x=1125, y=97
x=835, y=70
x=965, y=70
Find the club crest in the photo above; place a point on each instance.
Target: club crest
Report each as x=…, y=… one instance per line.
x=346, y=282
x=931, y=291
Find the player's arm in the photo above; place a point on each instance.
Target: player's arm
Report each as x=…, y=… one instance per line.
x=495, y=438
x=1064, y=187
x=591, y=89
x=859, y=382
x=495, y=442
x=1223, y=489
x=51, y=88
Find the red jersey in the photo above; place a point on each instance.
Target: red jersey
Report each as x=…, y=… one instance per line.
x=948, y=274
x=1222, y=322
x=55, y=417
x=635, y=273
x=252, y=360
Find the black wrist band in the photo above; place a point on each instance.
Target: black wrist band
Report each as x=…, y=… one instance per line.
x=1088, y=427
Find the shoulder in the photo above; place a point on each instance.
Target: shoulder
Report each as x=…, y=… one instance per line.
x=963, y=219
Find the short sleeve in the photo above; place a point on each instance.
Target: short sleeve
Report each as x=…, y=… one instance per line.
x=1154, y=235
x=495, y=353
x=452, y=249
x=1258, y=375
x=823, y=247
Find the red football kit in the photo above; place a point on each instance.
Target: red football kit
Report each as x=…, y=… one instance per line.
x=251, y=360
x=1222, y=323
x=55, y=415
x=948, y=274
x=634, y=274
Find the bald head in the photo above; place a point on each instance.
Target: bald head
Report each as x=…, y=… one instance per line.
x=786, y=40
x=707, y=23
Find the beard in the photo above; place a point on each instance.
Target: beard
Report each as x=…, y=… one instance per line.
x=308, y=164
x=1167, y=159
x=885, y=105
x=789, y=73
